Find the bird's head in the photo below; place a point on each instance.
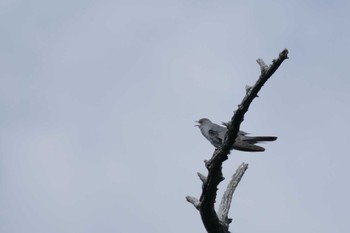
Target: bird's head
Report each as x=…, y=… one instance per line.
x=201, y=122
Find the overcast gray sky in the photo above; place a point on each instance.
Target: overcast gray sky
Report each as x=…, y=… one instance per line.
x=98, y=101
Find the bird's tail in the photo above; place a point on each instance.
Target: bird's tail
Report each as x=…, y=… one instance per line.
x=256, y=139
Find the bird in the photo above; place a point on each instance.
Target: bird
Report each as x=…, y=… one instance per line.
x=216, y=133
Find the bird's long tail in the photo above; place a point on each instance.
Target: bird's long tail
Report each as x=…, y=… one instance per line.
x=256, y=139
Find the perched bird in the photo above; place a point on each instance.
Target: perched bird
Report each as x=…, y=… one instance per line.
x=216, y=134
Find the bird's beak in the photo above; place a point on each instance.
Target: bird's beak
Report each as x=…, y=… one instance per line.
x=196, y=124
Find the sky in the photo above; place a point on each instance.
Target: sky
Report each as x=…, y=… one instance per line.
x=98, y=101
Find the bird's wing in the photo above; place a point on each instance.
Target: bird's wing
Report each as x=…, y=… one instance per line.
x=215, y=137
x=246, y=146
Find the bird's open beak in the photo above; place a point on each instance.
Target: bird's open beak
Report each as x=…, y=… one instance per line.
x=196, y=124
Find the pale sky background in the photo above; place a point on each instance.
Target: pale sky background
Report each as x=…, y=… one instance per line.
x=99, y=98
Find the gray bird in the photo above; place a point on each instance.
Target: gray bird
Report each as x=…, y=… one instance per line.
x=216, y=134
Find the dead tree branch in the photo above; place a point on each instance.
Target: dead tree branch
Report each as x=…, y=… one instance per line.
x=219, y=223
x=227, y=197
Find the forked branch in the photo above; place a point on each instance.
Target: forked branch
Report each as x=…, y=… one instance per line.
x=219, y=223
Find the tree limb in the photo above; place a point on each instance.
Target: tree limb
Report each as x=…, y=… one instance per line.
x=205, y=205
x=194, y=201
x=227, y=197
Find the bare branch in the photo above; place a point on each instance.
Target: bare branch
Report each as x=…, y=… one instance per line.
x=211, y=221
x=202, y=177
x=195, y=202
x=227, y=197
x=262, y=64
